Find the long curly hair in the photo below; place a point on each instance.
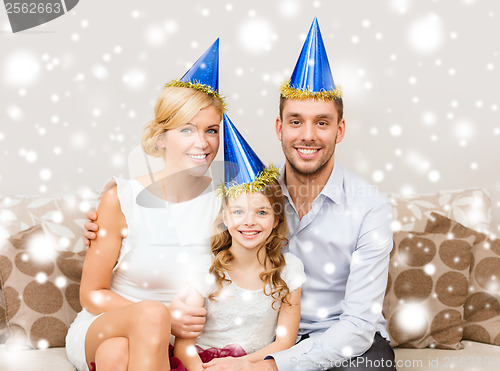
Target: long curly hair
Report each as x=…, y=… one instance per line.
x=274, y=260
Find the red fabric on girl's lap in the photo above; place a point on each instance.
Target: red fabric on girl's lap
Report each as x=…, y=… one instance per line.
x=232, y=350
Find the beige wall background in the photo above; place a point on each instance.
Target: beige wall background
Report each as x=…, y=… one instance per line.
x=420, y=80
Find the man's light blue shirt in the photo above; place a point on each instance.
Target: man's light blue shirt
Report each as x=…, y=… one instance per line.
x=344, y=242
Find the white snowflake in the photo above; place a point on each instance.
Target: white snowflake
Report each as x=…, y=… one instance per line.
x=255, y=35
x=426, y=34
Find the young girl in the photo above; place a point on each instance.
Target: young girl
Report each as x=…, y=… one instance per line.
x=251, y=290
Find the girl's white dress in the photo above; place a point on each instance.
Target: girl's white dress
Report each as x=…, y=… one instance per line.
x=164, y=242
x=240, y=316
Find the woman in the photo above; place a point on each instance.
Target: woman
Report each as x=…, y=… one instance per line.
x=131, y=273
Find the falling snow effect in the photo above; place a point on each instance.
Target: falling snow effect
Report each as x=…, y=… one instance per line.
x=426, y=34
x=413, y=318
x=21, y=68
x=256, y=35
x=421, y=115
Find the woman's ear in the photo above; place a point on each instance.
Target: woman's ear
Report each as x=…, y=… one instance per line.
x=161, y=141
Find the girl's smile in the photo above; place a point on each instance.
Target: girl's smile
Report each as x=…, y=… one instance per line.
x=249, y=234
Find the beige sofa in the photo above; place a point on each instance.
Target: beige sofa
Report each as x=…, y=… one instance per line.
x=474, y=357
x=39, y=296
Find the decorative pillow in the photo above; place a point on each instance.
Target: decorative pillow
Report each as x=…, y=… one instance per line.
x=41, y=284
x=470, y=207
x=482, y=307
x=426, y=289
x=62, y=215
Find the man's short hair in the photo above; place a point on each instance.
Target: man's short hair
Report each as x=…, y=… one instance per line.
x=338, y=102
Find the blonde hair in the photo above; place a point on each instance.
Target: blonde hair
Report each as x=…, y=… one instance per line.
x=175, y=107
x=221, y=242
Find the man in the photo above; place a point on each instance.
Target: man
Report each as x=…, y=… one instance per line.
x=339, y=226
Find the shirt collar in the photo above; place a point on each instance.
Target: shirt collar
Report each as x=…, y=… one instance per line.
x=333, y=189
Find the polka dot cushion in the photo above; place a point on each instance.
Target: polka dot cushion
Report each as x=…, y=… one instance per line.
x=40, y=283
x=426, y=289
x=63, y=215
x=482, y=306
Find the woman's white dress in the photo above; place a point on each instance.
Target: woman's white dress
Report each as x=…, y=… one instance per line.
x=164, y=241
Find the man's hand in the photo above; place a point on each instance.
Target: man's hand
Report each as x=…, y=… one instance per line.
x=90, y=228
x=187, y=320
x=228, y=364
x=239, y=364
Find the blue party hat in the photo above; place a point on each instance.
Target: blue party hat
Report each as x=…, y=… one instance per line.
x=204, y=74
x=244, y=172
x=312, y=77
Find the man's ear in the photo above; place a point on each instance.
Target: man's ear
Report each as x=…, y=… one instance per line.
x=279, y=127
x=341, y=131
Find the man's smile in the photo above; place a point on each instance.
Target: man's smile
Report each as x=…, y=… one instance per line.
x=306, y=152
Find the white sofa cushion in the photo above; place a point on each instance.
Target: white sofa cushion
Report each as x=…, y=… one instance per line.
x=53, y=359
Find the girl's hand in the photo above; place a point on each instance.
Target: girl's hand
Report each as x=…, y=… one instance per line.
x=187, y=320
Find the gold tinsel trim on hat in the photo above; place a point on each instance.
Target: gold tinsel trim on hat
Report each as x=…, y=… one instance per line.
x=207, y=89
x=233, y=190
x=291, y=93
